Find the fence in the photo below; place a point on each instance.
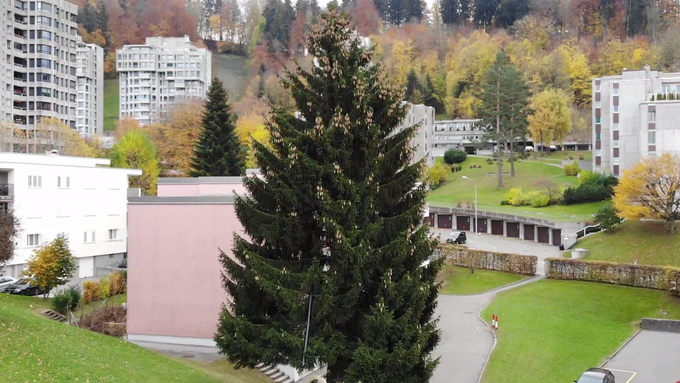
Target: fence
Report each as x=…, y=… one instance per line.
x=487, y=260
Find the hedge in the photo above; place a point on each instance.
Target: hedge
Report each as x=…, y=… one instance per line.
x=646, y=276
x=487, y=260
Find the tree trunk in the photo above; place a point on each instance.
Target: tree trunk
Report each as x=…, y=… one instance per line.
x=512, y=159
x=498, y=133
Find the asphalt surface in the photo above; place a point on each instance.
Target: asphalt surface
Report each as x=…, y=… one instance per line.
x=650, y=357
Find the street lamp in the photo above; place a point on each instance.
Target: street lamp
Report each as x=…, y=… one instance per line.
x=475, y=227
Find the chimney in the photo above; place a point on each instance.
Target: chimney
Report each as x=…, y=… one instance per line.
x=648, y=68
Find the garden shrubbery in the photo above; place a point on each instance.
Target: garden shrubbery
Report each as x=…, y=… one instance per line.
x=538, y=198
x=106, y=287
x=572, y=170
x=592, y=187
x=66, y=299
x=455, y=156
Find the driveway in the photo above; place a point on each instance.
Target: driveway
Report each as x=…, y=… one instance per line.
x=650, y=357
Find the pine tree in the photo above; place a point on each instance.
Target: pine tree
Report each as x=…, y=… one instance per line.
x=455, y=11
x=504, y=108
x=218, y=152
x=413, y=89
x=334, y=230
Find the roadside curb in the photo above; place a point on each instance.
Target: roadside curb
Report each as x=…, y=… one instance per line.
x=495, y=289
x=620, y=348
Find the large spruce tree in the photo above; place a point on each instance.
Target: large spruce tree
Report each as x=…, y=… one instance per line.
x=334, y=230
x=218, y=151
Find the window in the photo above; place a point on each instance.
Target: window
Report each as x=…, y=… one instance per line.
x=666, y=89
x=58, y=181
x=33, y=240
x=598, y=104
x=616, y=108
x=651, y=116
x=616, y=91
x=68, y=182
x=34, y=181
x=597, y=87
x=616, y=143
x=598, y=152
x=651, y=136
x=615, y=126
x=615, y=160
x=89, y=236
x=597, y=136
x=598, y=120
x=113, y=234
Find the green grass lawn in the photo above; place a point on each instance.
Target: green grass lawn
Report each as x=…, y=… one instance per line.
x=528, y=176
x=234, y=73
x=552, y=331
x=459, y=280
x=647, y=242
x=111, y=104
x=116, y=300
x=36, y=349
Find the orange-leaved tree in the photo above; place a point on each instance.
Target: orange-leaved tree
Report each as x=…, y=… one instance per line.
x=53, y=264
x=651, y=190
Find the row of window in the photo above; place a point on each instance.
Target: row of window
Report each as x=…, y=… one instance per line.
x=36, y=182
x=35, y=240
x=598, y=88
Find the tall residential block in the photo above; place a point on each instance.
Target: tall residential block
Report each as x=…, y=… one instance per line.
x=90, y=73
x=160, y=73
x=635, y=115
x=39, y=69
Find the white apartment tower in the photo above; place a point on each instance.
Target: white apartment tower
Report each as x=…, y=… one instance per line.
x=90, y=73
x=160, y=73
x=38, y=69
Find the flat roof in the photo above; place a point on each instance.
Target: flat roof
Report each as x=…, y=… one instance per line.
x=184, y=200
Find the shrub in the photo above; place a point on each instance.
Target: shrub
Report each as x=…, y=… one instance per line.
x=508, y=263
x=436, y=175
x=109, y=321
x=489, y=161
x=117, y=282
x=456, y=168
x=76, y=295
x=572, y=170
x=538, y=199
x=607, y=217
x=91, y=291
x=505, y=202
x=586, y=193
x=104, y=287
x=515, y=197
x=455, y=156
x=61, y=301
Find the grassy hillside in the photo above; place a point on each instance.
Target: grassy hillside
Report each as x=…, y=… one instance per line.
x=552, y=331
x=528, y=176
x=234, y=73
x=111, y=104
x=35, y=349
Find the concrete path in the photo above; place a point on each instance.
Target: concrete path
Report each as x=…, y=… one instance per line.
x=467, y=341
x=649, y=357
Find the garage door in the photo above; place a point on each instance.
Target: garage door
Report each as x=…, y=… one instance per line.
x=463, y=223
x=530, y=232
x=557, y=237
x=431, y=220
x=444, y=221
x=482, y=226
x=543, y=234
x=513, y=229
x=496, y=227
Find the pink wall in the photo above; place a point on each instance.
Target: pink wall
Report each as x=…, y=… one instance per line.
x=179, y=190
x=174, y=286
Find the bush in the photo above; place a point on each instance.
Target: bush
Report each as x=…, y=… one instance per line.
x=61, y=302
x=455, y=156
x=76, y=295
x=117, y=282
x=505, y=202
x=91, y=291
x=104, y=287
x=572, y=170
x=436, y=175
x=538, y=199
x=456, y=168
x=607, y=217
x=507, y=263
x=586, y=193
x=489, y=161
x=108, y=321
x=515, y=197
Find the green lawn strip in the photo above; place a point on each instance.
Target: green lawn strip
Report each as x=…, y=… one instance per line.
x=85, y=309
x=223, y=371
x=460, y=192
x=111, y=104
x=552, y=331
x=459, y=280
x=41, y=350
x=647, y=242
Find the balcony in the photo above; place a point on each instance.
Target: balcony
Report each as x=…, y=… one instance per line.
x=6, y=192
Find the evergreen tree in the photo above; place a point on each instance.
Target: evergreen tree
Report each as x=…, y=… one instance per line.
x=455, y=11
x=261, y=89
x=413, y=89
x=88, y=17
x=504, y=109
x=334, y=230
x=218, y=152
x=485, y=12
x=510, y=11
x=414, y=10
x=430, y=97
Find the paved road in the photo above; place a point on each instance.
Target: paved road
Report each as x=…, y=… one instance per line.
x=650, y=357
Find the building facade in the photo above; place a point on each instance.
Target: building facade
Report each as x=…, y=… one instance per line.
x=81, y=197
x=423, y=144
x=460, y=133
x=90, y=73
x=635, y=115
x=160, y=73
x=38, y=64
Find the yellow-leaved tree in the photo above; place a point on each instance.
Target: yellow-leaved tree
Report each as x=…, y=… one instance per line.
x=177, y=138
x=651, y=189
x=551, y=121
x=52, y=265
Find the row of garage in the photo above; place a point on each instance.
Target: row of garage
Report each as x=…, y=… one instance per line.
x=526, y=231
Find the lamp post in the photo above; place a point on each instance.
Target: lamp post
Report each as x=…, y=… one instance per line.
x=475, y=227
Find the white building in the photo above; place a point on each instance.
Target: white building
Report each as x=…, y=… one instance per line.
x=90, y=73
x=424, y=140
x=39, y=45
x=81, y=197
x=155, y=75
x=635, y=115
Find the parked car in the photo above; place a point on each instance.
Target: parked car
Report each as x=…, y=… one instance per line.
x=458, y=237
x=596, y=375
x=5, y=282
x=24, y=286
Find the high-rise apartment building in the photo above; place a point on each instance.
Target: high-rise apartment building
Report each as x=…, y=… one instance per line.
x=38, y=64
x=90, y=73
x=160, y=73
x=635, y=115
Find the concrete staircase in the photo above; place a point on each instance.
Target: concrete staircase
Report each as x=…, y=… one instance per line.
x=274, y=374
x=51, y=314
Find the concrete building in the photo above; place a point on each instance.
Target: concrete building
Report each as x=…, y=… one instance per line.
x=38, y=65
x=459, y=133
x=90, y=73
x=81, y=197
x=630, y=122
x=423, y=115
x=160, y=73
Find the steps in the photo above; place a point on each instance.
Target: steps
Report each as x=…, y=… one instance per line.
x=51, y=314
x=274, y=374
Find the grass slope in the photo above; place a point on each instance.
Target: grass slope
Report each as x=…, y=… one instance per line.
x=111, y=104
x=528, y=174
x=459, y=280
x=647, y=242
x=233, y=71
x=35, y=349
x=552, y=331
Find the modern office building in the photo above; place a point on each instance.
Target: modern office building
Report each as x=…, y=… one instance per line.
x=38, y=65
x=635, y=115
x=90, y=73
x=83, y=198
x=160, y=73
